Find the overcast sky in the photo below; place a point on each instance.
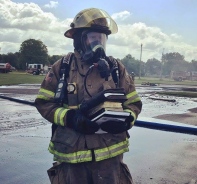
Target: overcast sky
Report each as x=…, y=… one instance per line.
x=160, y=25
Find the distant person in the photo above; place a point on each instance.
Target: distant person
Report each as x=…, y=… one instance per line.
x=133, y=76
x=82, y=155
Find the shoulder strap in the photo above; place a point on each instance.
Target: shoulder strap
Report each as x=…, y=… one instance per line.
x=65, y=65
x=114, y=67
x=61, y=95
x=61, y=91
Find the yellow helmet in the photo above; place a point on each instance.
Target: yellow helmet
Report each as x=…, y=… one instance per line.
x=92, y=18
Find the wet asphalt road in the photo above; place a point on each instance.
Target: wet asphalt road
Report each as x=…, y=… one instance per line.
x=155, y=157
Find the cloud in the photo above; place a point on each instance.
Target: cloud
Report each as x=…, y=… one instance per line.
x=121, y=15
x=131, y=36
x=27, y=16
x=22, y=21
x=51, y=4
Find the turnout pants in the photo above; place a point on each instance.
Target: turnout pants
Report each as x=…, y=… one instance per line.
x=109, y=171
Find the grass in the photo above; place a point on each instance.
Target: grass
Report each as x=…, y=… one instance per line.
x=24, y=78
x=14, y=78
x=164, y=81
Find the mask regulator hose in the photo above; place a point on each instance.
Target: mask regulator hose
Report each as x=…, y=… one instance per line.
x=85, y=79
x=103, y=68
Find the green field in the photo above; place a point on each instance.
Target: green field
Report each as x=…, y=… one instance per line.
x=24, y=78
x=13, y=78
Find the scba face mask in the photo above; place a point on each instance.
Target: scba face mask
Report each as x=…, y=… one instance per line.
x=93, y=46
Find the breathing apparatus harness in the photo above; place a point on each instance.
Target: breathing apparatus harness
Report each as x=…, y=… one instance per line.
x=105, y=66
x=61, y=95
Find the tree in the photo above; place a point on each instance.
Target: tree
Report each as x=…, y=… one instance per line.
x=11, y=58
x=1, y=58
x=132, y=65
x=193, y=65
x=54, y=58
x=33, y=51
x=174, y=62
x=153, y=67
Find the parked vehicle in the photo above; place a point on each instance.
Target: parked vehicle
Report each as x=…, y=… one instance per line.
x=193, y=75
x=179, y=75
x=35, y=69
x=5, y=67
x=184, y=75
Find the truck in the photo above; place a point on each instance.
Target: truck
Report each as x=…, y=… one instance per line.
x=5, y=67
x=192, y=76
x=35, y=69
x=179, y=75
x=184, y=75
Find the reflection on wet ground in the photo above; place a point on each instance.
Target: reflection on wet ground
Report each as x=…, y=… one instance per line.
x=18, y=116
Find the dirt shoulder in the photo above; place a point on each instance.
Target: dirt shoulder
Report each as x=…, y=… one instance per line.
x=28, y=91
x=186, y=118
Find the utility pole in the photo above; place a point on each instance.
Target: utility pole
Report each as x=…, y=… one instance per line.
x=140, y=61
x=162, y=63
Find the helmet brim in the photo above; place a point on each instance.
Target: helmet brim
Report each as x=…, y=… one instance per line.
x=69, y=33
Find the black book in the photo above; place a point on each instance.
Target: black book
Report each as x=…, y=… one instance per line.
x=109, y=115
x=108, y=105
x=113, y=95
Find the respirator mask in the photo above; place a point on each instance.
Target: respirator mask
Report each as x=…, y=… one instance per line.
x=94, y=47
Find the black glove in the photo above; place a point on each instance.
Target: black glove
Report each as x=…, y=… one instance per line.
x=77, y=121
x=117, y=126
x=103, y=68
x=100, y=98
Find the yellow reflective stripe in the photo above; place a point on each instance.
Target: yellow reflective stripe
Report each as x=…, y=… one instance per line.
x=45, y=94
x=76, y=157
x=85, y=156
x=132, y=98
x=59, y=116
x=133, y=114
x=131, y=94
x=112, y=151
x=129, y=101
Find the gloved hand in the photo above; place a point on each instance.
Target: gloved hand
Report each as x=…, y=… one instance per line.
x=117, y=126
x=103, y=68
x=77, y=121
x=100, y=97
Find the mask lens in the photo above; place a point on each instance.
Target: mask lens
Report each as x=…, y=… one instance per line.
x=95, y=40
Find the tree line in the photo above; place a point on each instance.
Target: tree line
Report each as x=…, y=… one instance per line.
x=35, y=51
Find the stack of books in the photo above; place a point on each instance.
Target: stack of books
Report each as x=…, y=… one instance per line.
x=110, y=109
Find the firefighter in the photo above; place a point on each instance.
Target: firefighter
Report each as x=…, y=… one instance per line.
x=133, y=76
x=81, y=154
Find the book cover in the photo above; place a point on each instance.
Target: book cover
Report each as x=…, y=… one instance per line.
x=108, y=105
x=109, y=115
x=113, y=95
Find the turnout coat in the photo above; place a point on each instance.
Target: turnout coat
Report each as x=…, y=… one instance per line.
x=68, y=145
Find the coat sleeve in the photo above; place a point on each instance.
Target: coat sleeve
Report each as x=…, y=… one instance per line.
x=133, y=103
x=45, y=104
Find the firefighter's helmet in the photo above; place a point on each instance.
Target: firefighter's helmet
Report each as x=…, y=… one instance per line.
x=92, y=18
